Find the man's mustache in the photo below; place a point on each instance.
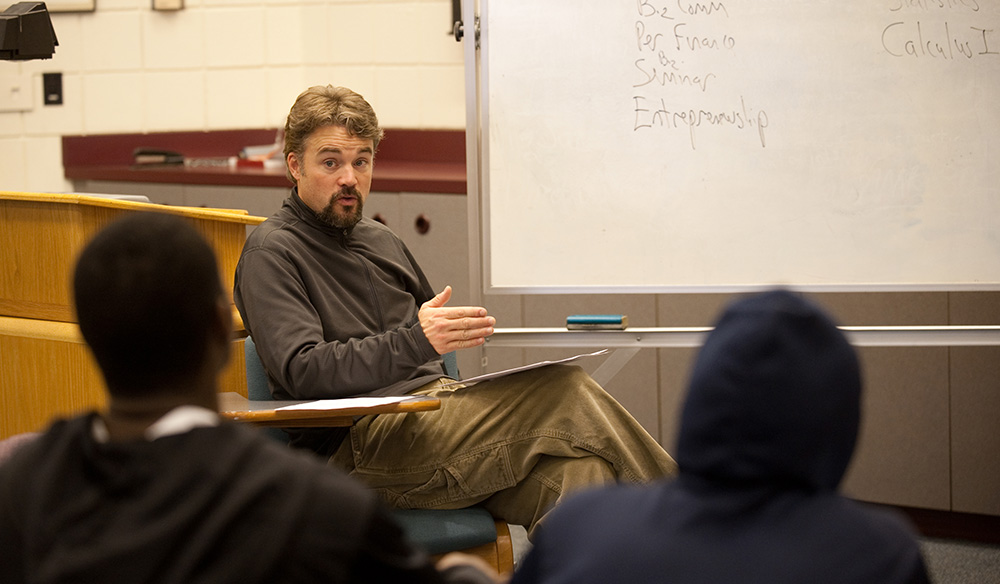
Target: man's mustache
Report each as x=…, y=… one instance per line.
x=347, y=192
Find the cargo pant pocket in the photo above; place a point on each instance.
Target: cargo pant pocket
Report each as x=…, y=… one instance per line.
x=457, y=482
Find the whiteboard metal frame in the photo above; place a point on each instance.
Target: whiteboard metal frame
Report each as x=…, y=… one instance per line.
x=477, y=133
x=739, y=288
x=626, y=343
x=662, y=337
x=473, y=155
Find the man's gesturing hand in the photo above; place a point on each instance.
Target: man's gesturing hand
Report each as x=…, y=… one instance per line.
x=454, y=327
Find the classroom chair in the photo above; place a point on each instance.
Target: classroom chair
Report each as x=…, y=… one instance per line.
x=471, y=530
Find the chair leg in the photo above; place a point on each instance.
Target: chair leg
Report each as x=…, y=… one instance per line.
x=505, y=549
x=499, y=553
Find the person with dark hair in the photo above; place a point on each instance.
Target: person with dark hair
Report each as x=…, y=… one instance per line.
x=158, y=488
x=768, y=428
x=163, y=294
x=337, y=307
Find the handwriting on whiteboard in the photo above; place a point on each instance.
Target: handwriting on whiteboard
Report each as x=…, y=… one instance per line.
x=683, y=56
x=680, y=45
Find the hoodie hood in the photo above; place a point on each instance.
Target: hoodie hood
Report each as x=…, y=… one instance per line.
x=774, y=398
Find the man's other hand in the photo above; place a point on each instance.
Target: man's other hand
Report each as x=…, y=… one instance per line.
x=454, y=327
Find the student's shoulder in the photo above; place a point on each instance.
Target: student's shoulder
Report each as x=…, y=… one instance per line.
x=288, y=462
x=881, y=523
x=33, y=454
x=323, y=495
x=883, y=543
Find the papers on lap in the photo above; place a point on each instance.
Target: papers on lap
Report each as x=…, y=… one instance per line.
x=365, y=402
x=346, y=403
x=505, y=372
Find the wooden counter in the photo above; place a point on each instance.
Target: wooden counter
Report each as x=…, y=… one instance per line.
x=419, y=161
x=46, y=369
x=43, y=233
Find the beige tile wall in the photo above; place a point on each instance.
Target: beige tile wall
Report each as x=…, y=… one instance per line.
x=228, y=64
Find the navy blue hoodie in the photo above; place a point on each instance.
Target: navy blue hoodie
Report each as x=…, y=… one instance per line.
x=768, y=428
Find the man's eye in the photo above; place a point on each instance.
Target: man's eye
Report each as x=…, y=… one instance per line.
x=329, y=163
x=361, y=163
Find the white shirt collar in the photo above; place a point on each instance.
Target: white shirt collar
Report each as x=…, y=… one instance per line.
x=177, y=421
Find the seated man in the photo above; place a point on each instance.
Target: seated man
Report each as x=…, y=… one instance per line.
x=769, y=425
x=338, y=307
x=157, y=489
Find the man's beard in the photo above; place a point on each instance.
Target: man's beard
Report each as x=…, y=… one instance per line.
x=341, y=221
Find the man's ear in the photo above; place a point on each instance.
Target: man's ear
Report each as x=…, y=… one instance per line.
x=293, y=165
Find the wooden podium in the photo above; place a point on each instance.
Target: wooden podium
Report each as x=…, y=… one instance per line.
x=45, y=367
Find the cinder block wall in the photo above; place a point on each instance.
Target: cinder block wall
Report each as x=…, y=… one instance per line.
x=228, y=64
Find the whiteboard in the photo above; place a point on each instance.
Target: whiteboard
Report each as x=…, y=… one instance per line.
x=672, y=145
